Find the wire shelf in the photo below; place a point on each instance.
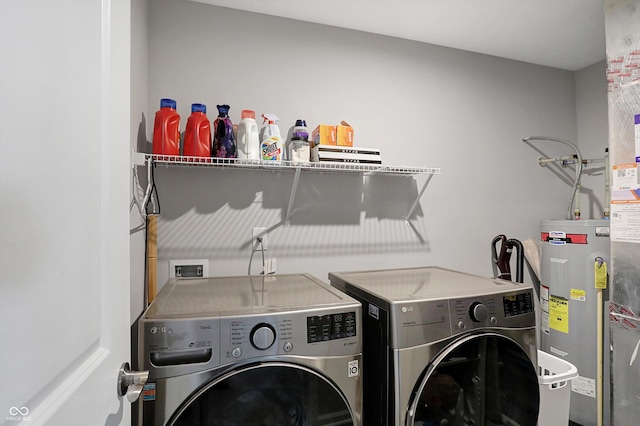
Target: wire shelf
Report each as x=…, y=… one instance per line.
x=321, y=166
x=140, y=159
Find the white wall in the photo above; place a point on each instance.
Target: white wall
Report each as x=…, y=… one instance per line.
x=422, y=105
x=139, y=99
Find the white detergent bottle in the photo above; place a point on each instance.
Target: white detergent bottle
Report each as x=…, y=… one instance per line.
x=248, y=140
x=271, y=141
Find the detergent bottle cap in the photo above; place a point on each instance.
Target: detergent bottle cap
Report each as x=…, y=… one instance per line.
x=223, y=110
x=247, y=113
x=302, y=123
x=199, y=108
x=167, y=103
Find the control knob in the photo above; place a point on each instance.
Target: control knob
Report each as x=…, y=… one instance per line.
x=478, y=312
x=263, y=336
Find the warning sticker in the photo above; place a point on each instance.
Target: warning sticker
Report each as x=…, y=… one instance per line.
x=559, y=314
x=544, y=308
x=579, y=295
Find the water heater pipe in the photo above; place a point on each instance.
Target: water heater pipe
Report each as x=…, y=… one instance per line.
x=576, y=183
x=607, y=185
x=565, y=160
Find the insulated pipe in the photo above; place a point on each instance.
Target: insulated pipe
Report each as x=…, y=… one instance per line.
x=574, y=191
x=576, y=201
x=607, y=186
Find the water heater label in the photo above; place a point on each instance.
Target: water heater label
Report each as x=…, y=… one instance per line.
x=544, y=308
x=559, y=314
x=584, y=386
x=579, y=295
x=560, y=238
x=625, y=203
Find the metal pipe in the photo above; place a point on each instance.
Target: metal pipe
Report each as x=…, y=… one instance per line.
x=564, y=160
x=576, y=183
x=569, y=159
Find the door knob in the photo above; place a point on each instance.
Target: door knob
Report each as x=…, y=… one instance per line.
x=131, y=383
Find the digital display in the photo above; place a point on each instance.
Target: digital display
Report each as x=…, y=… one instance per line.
x=323, y=328
x=517, y=304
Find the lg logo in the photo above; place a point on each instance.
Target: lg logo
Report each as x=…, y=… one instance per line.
x=406, y=309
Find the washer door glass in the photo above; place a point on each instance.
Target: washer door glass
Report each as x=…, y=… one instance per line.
x=267, y=395
x=481, y=380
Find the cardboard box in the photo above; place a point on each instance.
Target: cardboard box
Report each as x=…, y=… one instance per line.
x=324, y=135
x=345, y=154
x=344, y=134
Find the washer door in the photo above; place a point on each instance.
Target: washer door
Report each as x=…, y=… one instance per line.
x=266, y=394
x=480, y=380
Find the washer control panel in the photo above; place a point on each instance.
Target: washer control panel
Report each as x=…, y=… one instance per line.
x=250, y=336
x=330, y=327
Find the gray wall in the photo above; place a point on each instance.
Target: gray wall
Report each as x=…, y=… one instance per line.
x=422, y=105
x=593, y=135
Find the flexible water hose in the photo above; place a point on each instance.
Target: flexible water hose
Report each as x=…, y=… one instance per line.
x=576, y=183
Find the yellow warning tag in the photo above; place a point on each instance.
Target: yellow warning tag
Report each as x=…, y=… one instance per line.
x=600, y=273
x=559, y=314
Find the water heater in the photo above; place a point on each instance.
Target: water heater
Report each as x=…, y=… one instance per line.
x=573, y=253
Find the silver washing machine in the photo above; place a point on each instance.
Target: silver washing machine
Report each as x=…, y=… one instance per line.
x=251, y=350
x=442, y=347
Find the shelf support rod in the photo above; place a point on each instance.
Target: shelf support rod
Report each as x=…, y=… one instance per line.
x=292, y=197
x=147, y=193
x=415, y=203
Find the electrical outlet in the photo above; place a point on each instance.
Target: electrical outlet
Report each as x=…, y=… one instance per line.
x=262, y=233
x=188, y=268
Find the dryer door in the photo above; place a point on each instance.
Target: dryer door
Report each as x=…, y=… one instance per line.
x=480, y=380
x=266, y=395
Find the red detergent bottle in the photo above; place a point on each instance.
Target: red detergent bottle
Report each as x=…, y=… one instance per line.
x=197, y=135
x=166, y=129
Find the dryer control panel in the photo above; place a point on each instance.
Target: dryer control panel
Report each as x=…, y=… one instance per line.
x=417, y=322
x=513, y=309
